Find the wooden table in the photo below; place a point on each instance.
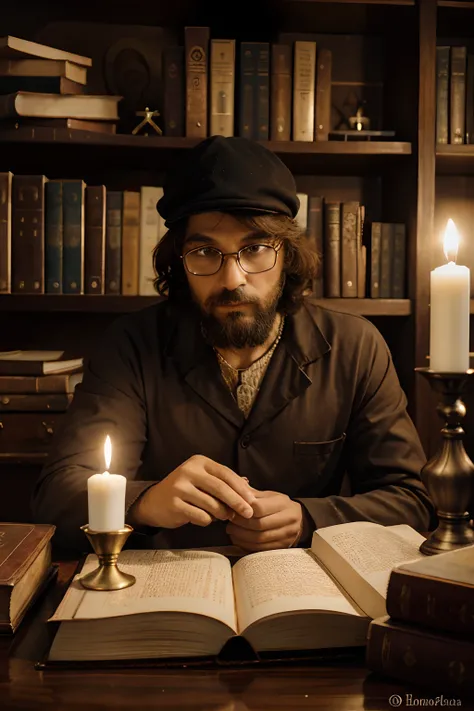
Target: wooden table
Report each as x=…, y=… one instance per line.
x=347, y=686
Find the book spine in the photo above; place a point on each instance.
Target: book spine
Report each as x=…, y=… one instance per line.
x=247, y=89
x=94, y=252
x=262, y=97
x=174, y=91
x=375, y=247
x=42, y=85
x=28, y=234
x=410, y=655
x=113, y=242
x=315, y=240
x=386, y=256
x=196, y=42
x=74, y=228
x=323, y=95
x=470, y=99
x=303, y=90
x=130, y=242
x=280, y=87
x=35, y=403
x=17, y=384
x=332, y=249
x=398, y=262
x=458, y=94
x=222, y=87
x=349, y=250
x=442, y=94
x=440, y=605
x=53, y=237
x=361, y=254
x=150, y=235
x=5, y=232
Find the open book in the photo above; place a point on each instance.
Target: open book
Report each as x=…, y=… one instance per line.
x=190, y=603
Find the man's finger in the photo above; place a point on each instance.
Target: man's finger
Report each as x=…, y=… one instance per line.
x=267, y=505
x=264, y=523
x=207, y=503
x=194, y=514
x=246, y=536
x=233, y=480
x=223, y=492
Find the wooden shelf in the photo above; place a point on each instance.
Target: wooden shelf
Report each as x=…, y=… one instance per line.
x=454, y=159
x=123, y=304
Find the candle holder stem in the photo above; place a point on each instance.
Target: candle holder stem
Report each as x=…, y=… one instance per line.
x=107, y=545
x=449, y=475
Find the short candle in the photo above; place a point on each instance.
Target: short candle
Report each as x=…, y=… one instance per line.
x=106, y=497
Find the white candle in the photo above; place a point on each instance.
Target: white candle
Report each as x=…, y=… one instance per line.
x=106, y=496
x=449, y=310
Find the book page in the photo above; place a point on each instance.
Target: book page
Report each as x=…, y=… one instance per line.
x=272, y=582
x=197, y=582
x=361, y=556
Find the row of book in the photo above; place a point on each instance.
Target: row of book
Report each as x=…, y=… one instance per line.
x=63, y=237
x=43, y=85
x=358, y=259
x=454, y=95
x=260, y=90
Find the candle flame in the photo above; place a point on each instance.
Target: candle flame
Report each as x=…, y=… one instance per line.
x=451, y=242
x=107, y=453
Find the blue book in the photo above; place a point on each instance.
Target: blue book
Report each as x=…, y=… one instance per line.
x=73, y=236
x=53, y=233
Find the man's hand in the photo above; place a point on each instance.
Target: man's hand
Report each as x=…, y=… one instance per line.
x=198, y=491
x=277, y=522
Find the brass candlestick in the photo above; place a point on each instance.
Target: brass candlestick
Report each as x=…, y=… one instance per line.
x=449, y=475
x=107, y=545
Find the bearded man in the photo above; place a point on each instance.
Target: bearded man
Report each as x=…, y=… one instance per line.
x=240, y=411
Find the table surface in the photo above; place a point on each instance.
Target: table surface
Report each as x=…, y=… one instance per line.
x=345, y=686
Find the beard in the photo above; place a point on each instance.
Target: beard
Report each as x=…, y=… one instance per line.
x=239, y=329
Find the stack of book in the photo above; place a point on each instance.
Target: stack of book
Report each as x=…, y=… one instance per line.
x=428, y=632
x=37, y=381
x=43, y=86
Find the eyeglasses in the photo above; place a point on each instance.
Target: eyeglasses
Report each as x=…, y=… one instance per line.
x=256, y=258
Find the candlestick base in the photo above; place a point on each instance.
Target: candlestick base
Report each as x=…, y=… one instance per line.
x=107, y=545
x=449, y=475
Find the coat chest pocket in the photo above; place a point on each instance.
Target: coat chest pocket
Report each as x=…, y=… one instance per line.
x=315, y=458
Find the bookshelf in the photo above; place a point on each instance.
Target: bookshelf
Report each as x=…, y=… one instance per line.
x=408, y=179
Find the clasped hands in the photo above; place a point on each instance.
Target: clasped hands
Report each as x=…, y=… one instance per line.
x=201, y=490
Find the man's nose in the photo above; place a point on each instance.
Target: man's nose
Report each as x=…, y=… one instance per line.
x=232, y=276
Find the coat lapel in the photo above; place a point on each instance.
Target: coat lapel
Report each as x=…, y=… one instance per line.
x=302, y=343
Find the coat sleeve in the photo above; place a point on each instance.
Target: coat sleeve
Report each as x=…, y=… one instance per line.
x=382, y=454
x=109, y=401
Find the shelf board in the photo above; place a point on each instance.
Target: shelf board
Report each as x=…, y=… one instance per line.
x=454, y=159
x=123, y=304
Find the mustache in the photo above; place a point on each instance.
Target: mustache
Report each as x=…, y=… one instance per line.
x=229, y=297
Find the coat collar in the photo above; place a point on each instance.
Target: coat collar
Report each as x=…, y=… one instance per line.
x=284, y=380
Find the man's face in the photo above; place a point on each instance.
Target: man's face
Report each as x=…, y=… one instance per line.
x=237, y=309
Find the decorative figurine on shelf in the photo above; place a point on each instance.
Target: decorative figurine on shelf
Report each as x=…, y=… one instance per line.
x=148, y=115
x=359, y=122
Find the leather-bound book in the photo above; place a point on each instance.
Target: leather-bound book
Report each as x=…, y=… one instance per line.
x=442, y=94
x=398, y=262
x=94, y=247
x=130, y=242
x=386, y=256
x=174, y=91
x=46, y=402
x=73, y=236
x=470, y=99
x=28, y=234
x=458, y=95
x=349, y=246
x=5, y=232
x=332, y=249
x=222, y=87
x=315, y=239
x=323, y=95
x=53, y=237
x=113, y=242
x=437, y=661
x=374, y=250
x=25, y=567
x=436, y=592
x=196, y=45
x=281, y=80
x=304, y=79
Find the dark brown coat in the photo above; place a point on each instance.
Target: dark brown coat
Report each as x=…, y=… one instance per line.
x=330, y=402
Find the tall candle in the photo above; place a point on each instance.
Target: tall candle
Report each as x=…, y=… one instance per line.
x=106, y=497
x=449, y=310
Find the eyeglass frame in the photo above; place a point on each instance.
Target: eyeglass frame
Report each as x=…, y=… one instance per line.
x=233, y=254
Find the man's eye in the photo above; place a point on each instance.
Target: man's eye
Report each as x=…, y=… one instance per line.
x=255, y=249
x=205, y=252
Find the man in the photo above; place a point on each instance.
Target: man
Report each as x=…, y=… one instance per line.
x=235, y=407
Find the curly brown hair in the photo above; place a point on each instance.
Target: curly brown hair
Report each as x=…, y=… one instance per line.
x=300, y=267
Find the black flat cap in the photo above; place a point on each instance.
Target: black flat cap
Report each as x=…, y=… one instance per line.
x=225, y=174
